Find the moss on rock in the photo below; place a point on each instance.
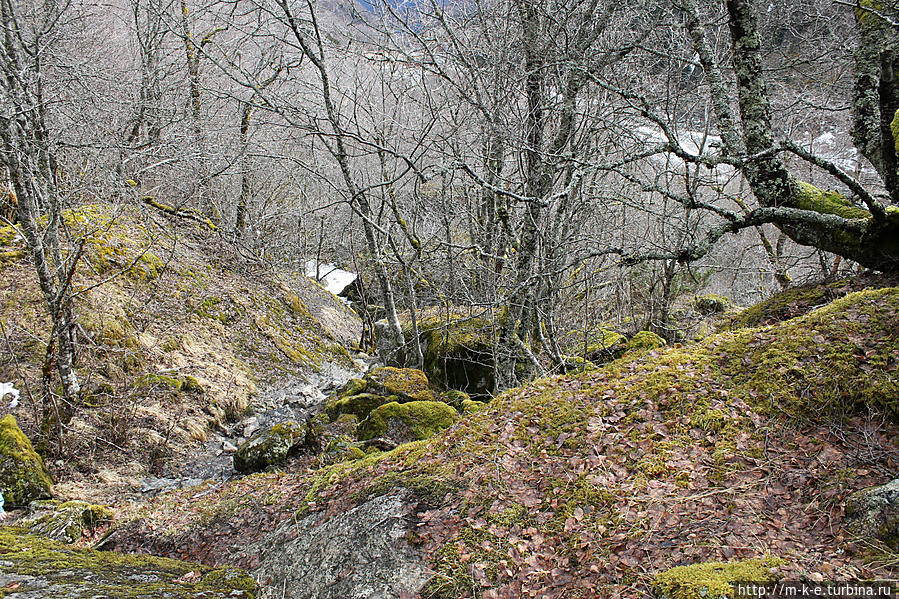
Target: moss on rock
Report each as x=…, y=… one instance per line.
x=874, y=514
x=458, y=351
x=644, y=340
x=358, y=405
x=713, y=579
x=711, y=304
x=23, y=477
x=272, y=446
x=414, y=420
x=54, y=569
x=67, y=521
x=470, y=406
x=782, y=306
x=407, y=383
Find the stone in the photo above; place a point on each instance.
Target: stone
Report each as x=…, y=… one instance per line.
x=23, y=476
x=66, y=521
x=411, y=421
x=873, y=513
x=34, y=567
x=363, y=553
x=271, y=447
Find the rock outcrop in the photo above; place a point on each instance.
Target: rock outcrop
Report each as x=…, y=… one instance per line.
x=361, y=554
x=35, y=567
x=23, y=477
x=874, y=514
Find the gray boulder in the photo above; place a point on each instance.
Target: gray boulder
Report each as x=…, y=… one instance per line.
x=874, y=513
x=360, y=554
x=273, y=446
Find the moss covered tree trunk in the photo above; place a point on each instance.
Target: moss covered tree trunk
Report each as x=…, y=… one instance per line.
x=862, y=230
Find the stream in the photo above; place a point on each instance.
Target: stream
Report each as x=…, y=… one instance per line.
x=295, y=398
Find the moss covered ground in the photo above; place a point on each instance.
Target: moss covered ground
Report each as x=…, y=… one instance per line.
x=739, y=447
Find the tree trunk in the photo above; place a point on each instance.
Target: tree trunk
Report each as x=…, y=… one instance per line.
x=828, y=220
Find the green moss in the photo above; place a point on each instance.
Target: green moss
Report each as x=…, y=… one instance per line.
x=599, y=345
x=708, y=419
x=711, y=304
x=296, y=304
x=784, y=305
x=416, y=419
x=577, y=364
x=160, y=381
x=190, y=384
x=359, y=406
x=453, y=574
x=470, y=406
x=147, y=268
x=835, y=360
x=407, y=383
x=431, y=490
x=644, y=340
x=810, y=197
x=83, y=572
x=67, y=521
x=211, y=308
x=228, y=577
x=713, y=579
x=23, y=476
x=8, y=257
x=8, y=235
x=456, y=398
x=352, y=387
x=458, y=351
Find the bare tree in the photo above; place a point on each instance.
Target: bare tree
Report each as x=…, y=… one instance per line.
x=30, y=38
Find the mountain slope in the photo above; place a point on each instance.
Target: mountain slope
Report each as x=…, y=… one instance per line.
x=744, y=445
x=177, y=335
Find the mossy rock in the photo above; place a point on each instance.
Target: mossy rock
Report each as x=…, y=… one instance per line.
x=712, y=580
x=23, y=477
x=873, y=514
x=272, y=446
x=576, y=364
x=359, y=406
x=380, y=386
x=455, y=398
x=407, y=383
x=791, y=303
x=46, y=568
x=458, y=351
x=66, y=521
x=340, y=449
x=402, y=422
x=599, y=345
x=351, y=387
x=711, y=304
x=470, y=406
x=643, y=341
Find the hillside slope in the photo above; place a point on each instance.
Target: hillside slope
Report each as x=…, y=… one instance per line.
x=178, y=336
x=744, y=445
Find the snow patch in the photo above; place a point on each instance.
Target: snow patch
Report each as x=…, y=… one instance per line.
x=334, y=279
